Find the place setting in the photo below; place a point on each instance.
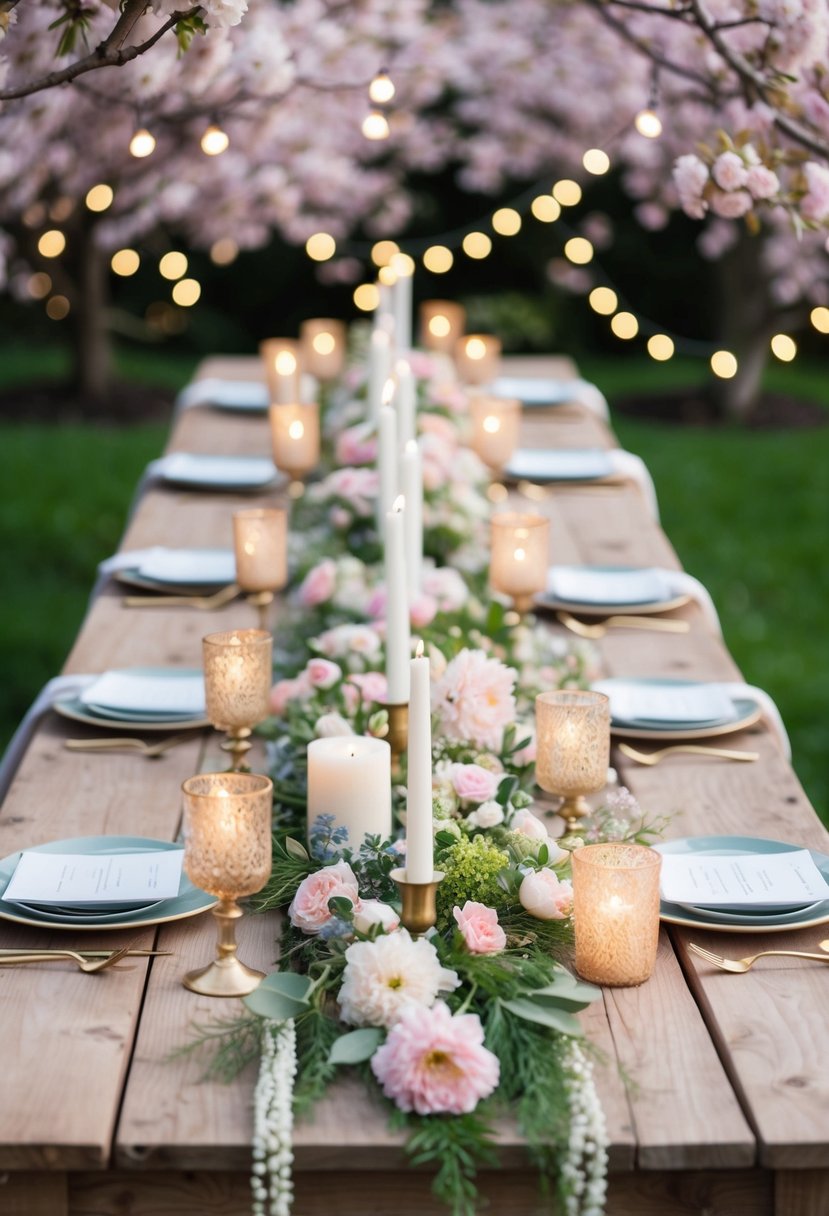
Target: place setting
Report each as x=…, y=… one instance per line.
x=660, y=708
x=194, y=471
x=139, y=698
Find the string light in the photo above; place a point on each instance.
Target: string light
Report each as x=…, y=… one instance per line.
x=387, y=276
x=784, y=347
x=596, y=161
x=403, y=265
x=51, y=243
x=820, y=319
x=603, y=300
x=186, y=292
x=567, y=192
x=366, y=297
x=125, y=262
x=624, y=325
x=660, y=347
x=173, y=265
x=578, y=250
x=39, y=285
x=224, y=251
x=506, y=221
x=375, y=125
x=214, y=141
x=320, y=246
x=648, y=123
x=545, y=208
x=381, y=90
x=476, y=245
x=142, y=143
x=98, y=198
x=724, y=364
x=438, y=259
x=382, y=252
x=57, y=308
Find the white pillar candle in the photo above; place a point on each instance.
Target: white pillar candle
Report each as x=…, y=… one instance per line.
x=379, y=366
x=387, y=459
x=419, y=844
x=349, y=777
x=405, y=400
x=398, y=637
x=411, y=483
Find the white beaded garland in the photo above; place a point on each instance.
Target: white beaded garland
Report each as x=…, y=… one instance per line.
x=271, y=1187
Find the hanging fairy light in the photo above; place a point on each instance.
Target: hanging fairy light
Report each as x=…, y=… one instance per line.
x=784, y=347
x=648, y=123
x=724, y=364
x=375, y=125
x=596, y=161
x=381, y=90
x=142, y=143
x=214, y=141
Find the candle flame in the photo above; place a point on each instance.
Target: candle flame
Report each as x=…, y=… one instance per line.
x=399, y=503
x=285, y=363
x=492, y=424
x=419, y=649
x=475, y=348
x=296, y=430
x=520, y=554
x=324, y=344
x=439, y=326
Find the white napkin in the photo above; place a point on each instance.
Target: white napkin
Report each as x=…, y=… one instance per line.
x=635, y=701
x=142, y=692
x=59, y=686
x=554, y=464
x=585, y=585
x=767, y=707
x=231, y=394
x=537, y=391
x=189, y=566
x=682, y=583
x=220, y=471
x=633, y=467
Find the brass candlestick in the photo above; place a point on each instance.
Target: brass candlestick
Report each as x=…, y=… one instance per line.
x=398, y=733
x=238, y=670
x=237, y=744
x=261, y=601
x=418, y=911
x=573, y=731
x=226, y=975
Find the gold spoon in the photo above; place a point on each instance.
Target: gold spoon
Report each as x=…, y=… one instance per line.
x=692, y=749
x=205, y=602
x=652, y=624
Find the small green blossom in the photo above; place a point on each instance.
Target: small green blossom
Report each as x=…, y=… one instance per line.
x=471, y=871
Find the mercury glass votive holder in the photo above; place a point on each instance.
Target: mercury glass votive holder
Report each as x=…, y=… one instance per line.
x=227, y=852
x=477, y=358
x=238, y=672
x=281, y=357
x=295, y=436
x=442, y=323
x=616, y=912
x=322, y=344
x=495, y=427
x=260, y=546
x=573, y=747
x=519, y=556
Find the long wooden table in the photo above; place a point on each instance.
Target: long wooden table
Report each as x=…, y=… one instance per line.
x=726, y=1106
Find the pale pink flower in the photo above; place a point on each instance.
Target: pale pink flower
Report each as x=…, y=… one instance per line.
x=322, y=673
x=488, y=815
x=730, y=206
x=479, y=927
x=690, y=177
x=319, y=584
x=434, y=1063
x=373, y=686
x=339, y=518
x=383, y=977
x=423, y=610
x=762, y=182
x=342, y=640
x=545, y=896
x=815, y=203
x=371, y=912
x=423, y=365
x=446, y=586
x=472, y=783
x=329, y=726
x=285, y=691
x=728, y=171
x=309, y=908
x=357, y=445
x=528, y=753
x=528, y=824
x=474, y=698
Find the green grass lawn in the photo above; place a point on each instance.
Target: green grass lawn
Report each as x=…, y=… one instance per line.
x=746, y=511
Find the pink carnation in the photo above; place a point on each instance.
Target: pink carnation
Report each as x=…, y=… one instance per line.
x=474, y=699
x=319, y=584
x=472, y=783
x=545, y=896
x=322, y=673
x=479, y=927
x=356, y=446
x=434, y=1063
x=309, y=908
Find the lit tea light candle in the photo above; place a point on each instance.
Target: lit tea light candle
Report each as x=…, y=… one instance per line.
x=616, y=912
x=573, y=748
x=477, y=358
x=295, y=436
x=398, y=636
x=496, y=425
x=238, y=671
x=322, y=342
x=520, y=556
x=282, y=368
x=260, y=545
x=442, y=323
x=349, y=777
x=419, y=837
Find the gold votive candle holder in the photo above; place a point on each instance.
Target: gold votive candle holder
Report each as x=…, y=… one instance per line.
x=260, y=546
x=442, y=323
x=238, y=672
x=519, y=556
x=477, y=358
x=295, y=436
x=322, y=345
x=495, y=428
x=616, y=912
x=281, y=357
x=573, y=747
x=418, y=911
x=227, y=852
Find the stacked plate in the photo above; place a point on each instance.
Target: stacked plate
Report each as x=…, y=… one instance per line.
x=565, y=464
x=247, y=473
x=664, y=709
x=745, y=920
x=182, y=571
x=537, y=391
x=189, y=901
x=140, y=698
x=603, y=590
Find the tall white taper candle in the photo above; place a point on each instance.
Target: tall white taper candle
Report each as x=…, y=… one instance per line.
x=398, y=636
x=419, y=841
x=411, y=483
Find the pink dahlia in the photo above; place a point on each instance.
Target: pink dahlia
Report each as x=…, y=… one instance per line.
x=434, y=1063
x=474, y=699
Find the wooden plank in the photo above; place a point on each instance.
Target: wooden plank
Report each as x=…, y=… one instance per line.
x=34, y=1194
x=801, y=1192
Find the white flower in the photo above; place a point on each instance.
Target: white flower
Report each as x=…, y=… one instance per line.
x=370, y=912
x=330, y=725
x=384, y=977
x=487, y=815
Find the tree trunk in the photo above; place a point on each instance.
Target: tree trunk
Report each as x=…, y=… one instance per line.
x=744, y=326
x=92, y=350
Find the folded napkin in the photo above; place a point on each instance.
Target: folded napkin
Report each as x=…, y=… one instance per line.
x=536, y=391
x=196, y=566
x=145, y=692
x=231, y=394
x=226, y=472
x=638, y=701
x=59, y=686
x=582, y=464
x=586, y=585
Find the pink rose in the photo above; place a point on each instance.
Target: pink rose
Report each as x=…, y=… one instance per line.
x=309, y=908
x=472, y=783
x=528, y=824
x=423, y=611
x=434, y=1063
x=545, y=896
x=285, y=691
x=373, y=686
x=318, y=584
x=322, y=673
x=357, y=445
x=479, y=927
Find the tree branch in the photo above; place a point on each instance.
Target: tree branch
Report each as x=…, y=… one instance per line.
x=615, y=23
x=109, y=53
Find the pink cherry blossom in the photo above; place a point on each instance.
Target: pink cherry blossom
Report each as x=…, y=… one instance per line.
x=479, y=927
x=309, y=907
x=728, y=171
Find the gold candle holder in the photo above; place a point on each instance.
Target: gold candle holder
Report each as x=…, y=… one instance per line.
x=238, y=671
x=496, y=425
x=520, y=556
x=322, y=344
x=418, y=911
x=616, y=912
x=398, y=734
x=295, y=436
x=442, y=323
x=477, y=358
x=260, y=544
x=227, y=852
x=573, y=733
x=282, y=368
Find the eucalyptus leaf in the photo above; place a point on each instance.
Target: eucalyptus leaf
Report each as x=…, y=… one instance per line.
x=543, y=1015
x=288, y=983
x=295, y=849
x=278, y=1006
x=355, y=1047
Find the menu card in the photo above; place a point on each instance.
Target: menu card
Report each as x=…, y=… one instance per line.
x=751, y=882
x=85, y=880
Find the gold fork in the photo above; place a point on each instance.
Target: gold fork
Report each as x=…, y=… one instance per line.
x=652, y=624
x=151, y=750
x=739, y=965
x=89, y=966
x=723, y=753
x=204, y=602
